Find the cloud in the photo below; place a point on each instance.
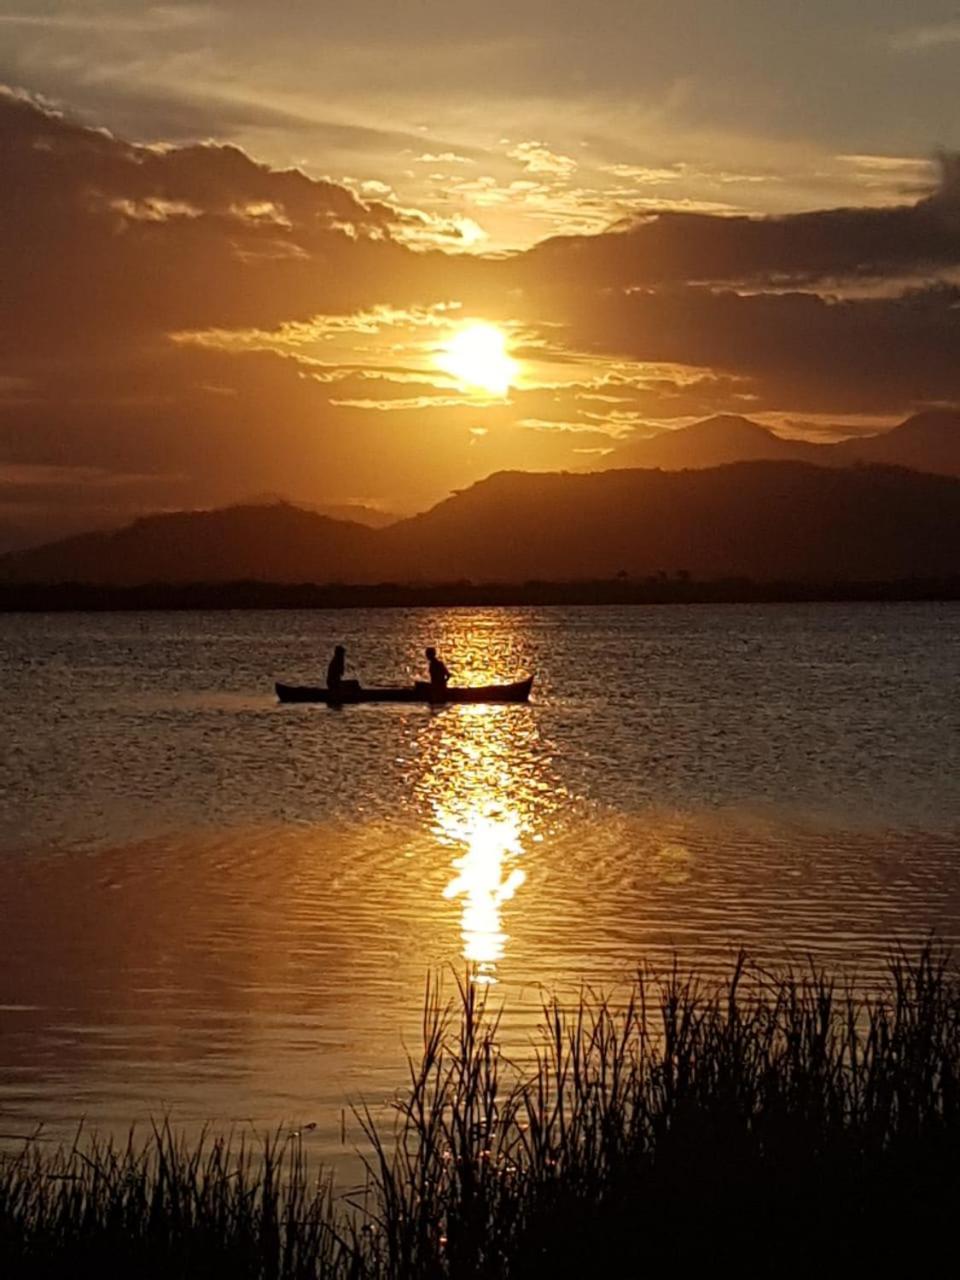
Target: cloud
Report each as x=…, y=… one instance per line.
x=102, y=236
x=930, y=36
x=153, y=18
x=900, y=166
x=536, y=157
x=444, y=157
x=391, y=404
x=646, y=175
x=671, y=247
x=297, y=336
x=791, y=349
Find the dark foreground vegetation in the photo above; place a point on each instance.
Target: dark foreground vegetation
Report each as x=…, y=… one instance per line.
x=777, y=1125
x=674, y=588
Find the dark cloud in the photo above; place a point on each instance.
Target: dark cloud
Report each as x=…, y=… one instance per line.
x=791, y=350
x=105, y=239
x=812, y=312
x=834, y=245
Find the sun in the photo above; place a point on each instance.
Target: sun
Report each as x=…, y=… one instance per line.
x=477, y=356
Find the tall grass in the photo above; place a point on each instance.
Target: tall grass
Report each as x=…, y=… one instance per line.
x=162, y=1208
x=778, y=1122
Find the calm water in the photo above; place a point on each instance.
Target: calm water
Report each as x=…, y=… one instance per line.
x=227, y=909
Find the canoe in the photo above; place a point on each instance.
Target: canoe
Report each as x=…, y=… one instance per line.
x=519, y=691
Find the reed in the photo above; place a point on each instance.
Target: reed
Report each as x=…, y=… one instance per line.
x=777, y=1121
x=161, y=1207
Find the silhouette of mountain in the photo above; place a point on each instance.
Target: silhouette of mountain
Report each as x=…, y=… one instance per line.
x=274, y=543
x=711, y=443
x=356, y=513
x=762, y=520
x=926, y=442
x=370, y=517
x=11, y=536
x=756, y=519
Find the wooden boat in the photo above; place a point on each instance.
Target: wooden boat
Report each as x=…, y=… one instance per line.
x=351, y=693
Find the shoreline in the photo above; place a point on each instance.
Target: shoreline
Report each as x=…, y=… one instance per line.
x=94, y=598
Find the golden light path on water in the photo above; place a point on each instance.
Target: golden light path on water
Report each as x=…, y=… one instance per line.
x=486, y=779
x=485, y=880
x=479, y=792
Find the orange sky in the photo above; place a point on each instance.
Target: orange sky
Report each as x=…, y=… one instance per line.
x=227, y=275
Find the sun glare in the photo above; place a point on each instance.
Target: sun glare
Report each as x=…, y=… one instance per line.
x=477, y=356
x=484, y=881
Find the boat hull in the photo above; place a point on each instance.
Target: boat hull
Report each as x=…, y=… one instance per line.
x=519, y=691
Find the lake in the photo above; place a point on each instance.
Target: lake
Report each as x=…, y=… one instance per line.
x=226, y=910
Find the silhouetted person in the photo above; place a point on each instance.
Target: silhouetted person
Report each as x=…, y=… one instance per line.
x=439, y=675
x=336, y=668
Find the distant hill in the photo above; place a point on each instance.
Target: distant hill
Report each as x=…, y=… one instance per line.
x=273, y=543
x=756, y=519
x=711, y=443
x=762, y=520
x=11, y=536
x=926, y=442
x=372, y=517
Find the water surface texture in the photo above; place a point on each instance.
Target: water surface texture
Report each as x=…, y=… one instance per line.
x=227, y=909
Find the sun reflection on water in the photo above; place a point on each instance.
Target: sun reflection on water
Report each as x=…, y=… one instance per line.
x=485, y=879
x=484, y=779
x=484, y=783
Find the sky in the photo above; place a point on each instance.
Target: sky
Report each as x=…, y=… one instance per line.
x=240, y=243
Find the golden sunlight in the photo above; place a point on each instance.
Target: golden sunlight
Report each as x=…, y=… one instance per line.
x=484, y=882
x=477, y=356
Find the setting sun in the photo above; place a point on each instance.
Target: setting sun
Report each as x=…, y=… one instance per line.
x=477, y=356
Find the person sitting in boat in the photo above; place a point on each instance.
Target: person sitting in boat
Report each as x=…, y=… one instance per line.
x=345, y=690
x=439, y=675
x=336, y=668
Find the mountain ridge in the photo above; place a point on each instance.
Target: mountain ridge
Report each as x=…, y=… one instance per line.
x=928, y=441
x=763, y=520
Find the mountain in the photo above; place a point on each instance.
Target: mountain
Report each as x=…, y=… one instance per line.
x=711, y=443
x=372, y=517
x=763, y=520
x=273, y=543
x=11, y=536
x=926, y=442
